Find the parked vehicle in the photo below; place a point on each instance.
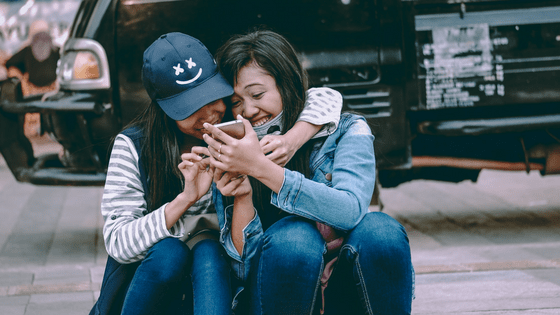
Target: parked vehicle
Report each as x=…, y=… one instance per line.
x=449, y=87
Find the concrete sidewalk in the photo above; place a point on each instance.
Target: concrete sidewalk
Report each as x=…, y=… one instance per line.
x=487, y=248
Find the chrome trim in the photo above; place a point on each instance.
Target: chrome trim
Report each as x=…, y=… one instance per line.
x=84, y=44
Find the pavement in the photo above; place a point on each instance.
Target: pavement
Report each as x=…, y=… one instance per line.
x=491, y=247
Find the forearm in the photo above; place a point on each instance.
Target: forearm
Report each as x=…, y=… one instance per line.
x=268, y=173
x=341, y=206
x=128, y=235
x=243, y=213
x=301, y=132
x=175, y=209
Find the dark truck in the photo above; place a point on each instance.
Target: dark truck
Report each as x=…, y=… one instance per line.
x=448, y=87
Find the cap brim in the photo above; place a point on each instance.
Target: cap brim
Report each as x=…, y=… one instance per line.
x=186, y=103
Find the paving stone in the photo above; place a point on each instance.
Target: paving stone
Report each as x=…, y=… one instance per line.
x=483, y=291
x=15, y=278
x=13, y=198
x=61, y=297
x=32, y=235
x=75, y=236
x=97, y=273
x=64, y=303
x=62, y=275
x=552, y=276
x=12, y=309
x=49, y=288
x=14, y=300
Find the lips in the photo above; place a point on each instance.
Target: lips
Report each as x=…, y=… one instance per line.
x=260, y=121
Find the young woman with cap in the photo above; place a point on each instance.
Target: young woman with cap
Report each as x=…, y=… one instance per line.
x=160, y=222
x=313, y=228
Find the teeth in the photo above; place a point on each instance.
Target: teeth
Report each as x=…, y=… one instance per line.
x=261, y=122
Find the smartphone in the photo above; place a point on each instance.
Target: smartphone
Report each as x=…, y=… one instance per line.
x=234, y=128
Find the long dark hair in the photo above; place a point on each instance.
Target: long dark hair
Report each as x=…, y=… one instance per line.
x=160, y=155
x=274, y=54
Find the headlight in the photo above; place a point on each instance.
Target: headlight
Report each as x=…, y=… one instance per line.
x=83, y=66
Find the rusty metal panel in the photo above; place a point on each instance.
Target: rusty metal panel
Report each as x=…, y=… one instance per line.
x=497, y=57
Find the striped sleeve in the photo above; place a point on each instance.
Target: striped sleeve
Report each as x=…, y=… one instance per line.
x=322, y=107
x=128, y=232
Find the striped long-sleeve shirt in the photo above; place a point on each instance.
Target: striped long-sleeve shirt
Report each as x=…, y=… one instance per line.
x=130, y=231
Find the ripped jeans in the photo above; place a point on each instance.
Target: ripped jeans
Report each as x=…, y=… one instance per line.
x=373, y=275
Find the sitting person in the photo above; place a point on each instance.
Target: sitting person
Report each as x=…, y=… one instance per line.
x=157, y=203
x=302, y=231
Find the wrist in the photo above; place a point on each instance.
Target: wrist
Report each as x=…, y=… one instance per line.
x=270, y=174
x=245, y=200
x=184, y=199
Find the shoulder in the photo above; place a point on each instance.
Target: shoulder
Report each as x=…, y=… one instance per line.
x=133, y=132
x=354, y=122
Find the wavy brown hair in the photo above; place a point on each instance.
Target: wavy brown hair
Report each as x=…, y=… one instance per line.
x=160, y=155
x=275, y=55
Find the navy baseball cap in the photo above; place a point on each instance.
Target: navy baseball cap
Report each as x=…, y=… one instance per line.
x=180, y=74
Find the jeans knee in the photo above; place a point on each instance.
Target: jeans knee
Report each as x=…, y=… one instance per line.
x=207, y=247
x=295, y=242
x=208, y=256
x=379, y=234
x=167, y=261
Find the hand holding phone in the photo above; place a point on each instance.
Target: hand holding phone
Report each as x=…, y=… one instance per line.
x=234, y=129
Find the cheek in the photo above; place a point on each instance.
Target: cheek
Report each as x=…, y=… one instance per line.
x=237, y=111
x=184, y=127
x=274, y=104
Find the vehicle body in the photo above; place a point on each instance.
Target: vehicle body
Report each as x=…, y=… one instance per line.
x=448, y=87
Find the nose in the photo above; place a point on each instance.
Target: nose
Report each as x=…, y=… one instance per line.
x=250, y=110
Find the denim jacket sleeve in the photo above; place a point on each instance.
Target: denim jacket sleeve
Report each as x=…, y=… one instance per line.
x=343, y=179
x=252, y=233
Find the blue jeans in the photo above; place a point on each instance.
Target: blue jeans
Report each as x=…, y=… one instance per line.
x=211, y=279
x=161, y=284
x=374, y=271
x=373, y=274
x=286, y=272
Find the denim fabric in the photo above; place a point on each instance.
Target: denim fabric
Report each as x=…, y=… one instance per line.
x=343, y=178
x=372, y=276
x=339, y=193
x=287, y=269
x=374, y=271
x=116, y=280
x=251, y=236
x=210, y=277
x=162, y=282
x=157, y=284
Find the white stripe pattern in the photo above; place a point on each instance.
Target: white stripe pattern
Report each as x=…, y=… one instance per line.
x=322, y=107
x=129, y=232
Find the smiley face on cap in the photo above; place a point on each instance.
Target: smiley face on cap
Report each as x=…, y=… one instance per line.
x=181, y=75
x=179, y=70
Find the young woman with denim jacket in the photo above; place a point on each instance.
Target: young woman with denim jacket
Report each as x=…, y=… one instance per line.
x=158, y=184
x=277, y=239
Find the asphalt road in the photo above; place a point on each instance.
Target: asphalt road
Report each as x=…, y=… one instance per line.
x=491, y=247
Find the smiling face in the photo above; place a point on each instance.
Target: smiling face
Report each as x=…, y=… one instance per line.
x=211, y=113
x=256, y=96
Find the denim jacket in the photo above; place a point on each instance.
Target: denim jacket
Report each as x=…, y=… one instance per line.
x=338, y=195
